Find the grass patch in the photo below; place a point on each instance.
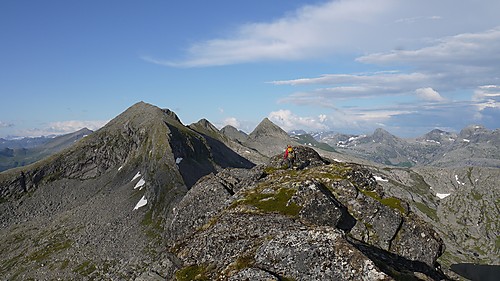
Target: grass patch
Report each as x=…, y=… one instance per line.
x=193, y=272
x=50, y=249
x=429, y=212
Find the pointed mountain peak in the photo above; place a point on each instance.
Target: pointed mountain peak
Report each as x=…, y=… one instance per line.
x=204, y=126
x=268, y=138
x=380, y=135
x=204, y=123
x=267, y=128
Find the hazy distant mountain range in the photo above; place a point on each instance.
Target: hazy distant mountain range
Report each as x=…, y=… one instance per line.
x=23, y=151
x=149, y=198
x=473, y=146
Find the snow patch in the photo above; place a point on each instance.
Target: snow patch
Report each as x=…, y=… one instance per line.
x=139, y=184
x=337, y=160
x=141, y=202
x=246, y=151
x=136, y=176
x=442, y=195
x=178, y=160
x=433, y=141
x=119, y=169
x=466, y=140
x=379, y=178
x=456, y=178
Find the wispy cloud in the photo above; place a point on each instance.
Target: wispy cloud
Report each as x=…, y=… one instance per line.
x=333, y=27
x=5, y=125
x=61, y=127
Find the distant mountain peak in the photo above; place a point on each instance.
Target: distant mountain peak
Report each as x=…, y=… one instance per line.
x=267, y=128
x=233, y=133
x=381, y=135
x=171, y=114
x=204, y=123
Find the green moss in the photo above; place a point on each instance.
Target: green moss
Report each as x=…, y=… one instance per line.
x=477, y=196
x=244, y=261
x=85, y=269
x=193, y=272
x=273, y=202
x=429, y=212
x=50, y=249
x=391, y=202
x=7, y=265
x=64, y=264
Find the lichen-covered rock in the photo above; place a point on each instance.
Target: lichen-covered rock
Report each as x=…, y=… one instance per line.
x=328, y=222
x=418, y=241
x=200, y=204
x=253, y=274
x=317, y=207
x=316, y=254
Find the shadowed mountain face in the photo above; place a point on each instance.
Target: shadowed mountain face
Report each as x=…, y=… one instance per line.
x=147, y=198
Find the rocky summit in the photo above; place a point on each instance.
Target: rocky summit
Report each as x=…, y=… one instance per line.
x=148, y=198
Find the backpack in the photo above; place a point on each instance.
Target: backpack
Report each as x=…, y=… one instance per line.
x=291, y=153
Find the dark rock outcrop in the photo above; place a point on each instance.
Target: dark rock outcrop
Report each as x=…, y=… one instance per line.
x=299, y=224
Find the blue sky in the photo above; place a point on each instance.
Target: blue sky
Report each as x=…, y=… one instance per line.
x=350, y=66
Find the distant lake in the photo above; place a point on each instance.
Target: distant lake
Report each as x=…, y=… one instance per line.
x=477, y=272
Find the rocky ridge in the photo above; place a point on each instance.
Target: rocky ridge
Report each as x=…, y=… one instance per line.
x=202, y=212
x=299, y=224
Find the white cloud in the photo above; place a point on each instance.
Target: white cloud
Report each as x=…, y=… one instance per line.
x=487, y=92
x=289, y=121
x=231, y=121
x=62, y=127
x=478, y=49
x=429, y=94
x=5, y=125
x=345, y=120
x=75, y=125
x=332, y=27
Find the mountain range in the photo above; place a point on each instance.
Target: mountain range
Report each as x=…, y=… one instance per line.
x=473, y=146
x=149, y=198
x=23, y=151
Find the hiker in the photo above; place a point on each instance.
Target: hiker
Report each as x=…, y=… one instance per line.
x=289, y=156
